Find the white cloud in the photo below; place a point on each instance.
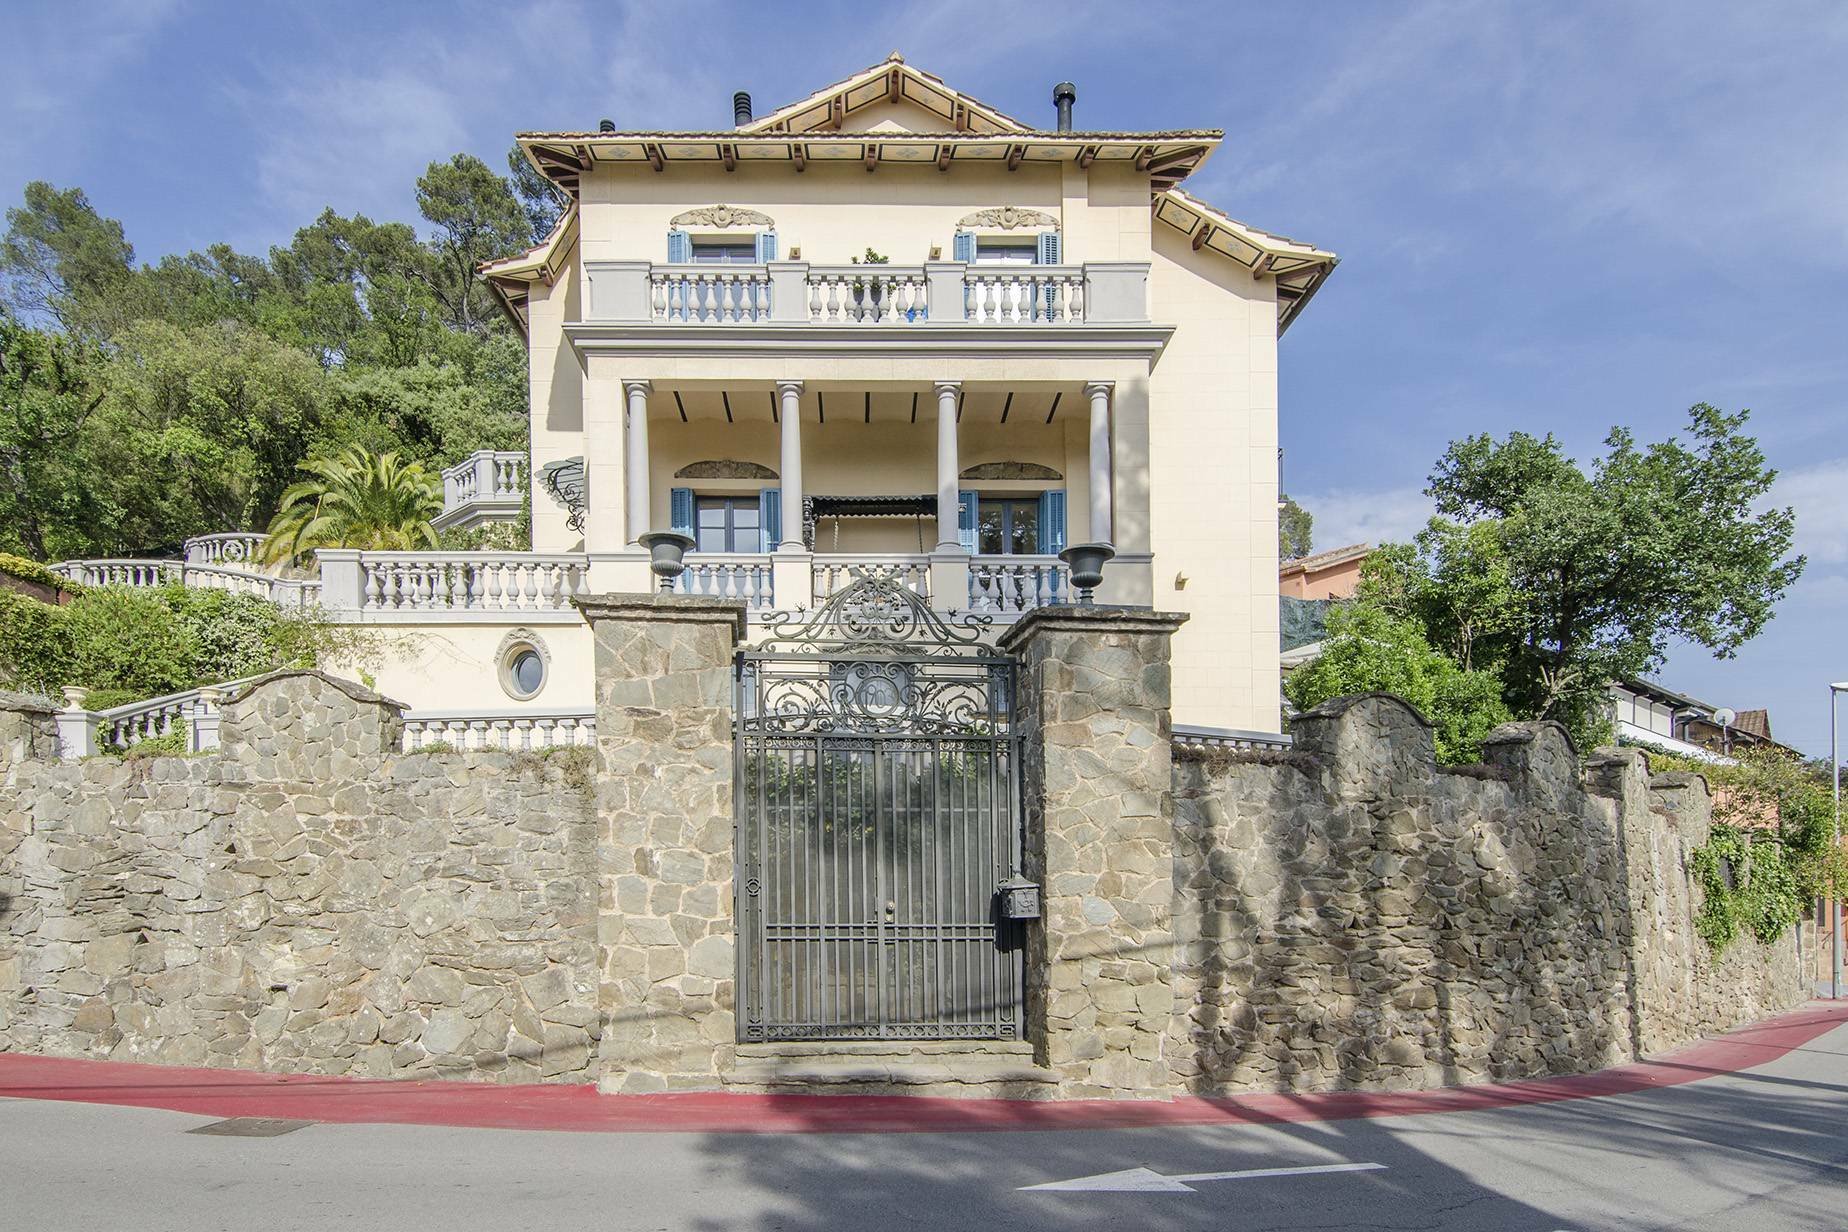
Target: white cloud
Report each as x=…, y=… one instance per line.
x=1819, y=494
x=1347, y=515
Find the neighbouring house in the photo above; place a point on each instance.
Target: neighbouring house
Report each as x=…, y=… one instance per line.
x=1649, y=714
x=886, y=327
x=1334, y=574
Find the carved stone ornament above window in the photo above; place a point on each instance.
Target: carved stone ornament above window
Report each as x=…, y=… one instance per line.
x=1008, y=218
x=724, y=217
x=724, y=468
x=1011, y=470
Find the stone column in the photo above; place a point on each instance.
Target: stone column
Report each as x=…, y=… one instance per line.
x=635, y=480
x=664, y=802
x=949, y=471
x=1097, y=773
x=1099, y=394
x=789, y=416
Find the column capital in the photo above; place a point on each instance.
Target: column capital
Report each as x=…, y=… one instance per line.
x=789, y=387
x=637, y=385
x=1093, y=388
x=943, y=387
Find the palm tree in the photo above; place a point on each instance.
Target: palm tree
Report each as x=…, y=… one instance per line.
x=356, y=500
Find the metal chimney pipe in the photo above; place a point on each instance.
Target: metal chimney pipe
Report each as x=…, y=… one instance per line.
x=741, y=109
x=606, y=126
x=1063, y=96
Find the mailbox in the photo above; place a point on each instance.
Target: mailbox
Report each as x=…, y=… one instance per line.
x=1020, y=899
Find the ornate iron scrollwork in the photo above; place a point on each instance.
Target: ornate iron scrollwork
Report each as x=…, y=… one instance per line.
x=875, y=658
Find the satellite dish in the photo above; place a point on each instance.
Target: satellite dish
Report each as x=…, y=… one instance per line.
x=1724, y=716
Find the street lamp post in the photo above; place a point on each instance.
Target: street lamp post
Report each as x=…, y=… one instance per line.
x=1835, y=842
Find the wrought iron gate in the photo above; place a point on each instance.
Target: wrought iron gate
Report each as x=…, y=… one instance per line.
x=877, y=814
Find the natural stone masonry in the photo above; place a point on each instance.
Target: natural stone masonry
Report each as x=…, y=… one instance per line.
x=1096, y=739
x=305, y=900
x=1351, y=916
x=1346, y=914
x=665, y=857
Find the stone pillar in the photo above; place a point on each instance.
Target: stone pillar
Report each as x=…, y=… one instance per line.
x=789, y=418
x=664, y=801
x=603, y=453
x=949, y=471
x=28, y=730
x=78, y=728
x=1099, y=394
x=1096, y=767
x=635, y=478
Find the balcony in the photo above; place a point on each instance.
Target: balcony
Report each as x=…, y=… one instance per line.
x=487, y=486
x=933, y=295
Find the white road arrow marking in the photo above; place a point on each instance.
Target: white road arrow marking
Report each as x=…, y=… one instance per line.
x=1144, y=1180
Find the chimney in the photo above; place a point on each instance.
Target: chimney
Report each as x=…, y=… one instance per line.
x=741, y=109
x=1063, y=96
x=606, y=126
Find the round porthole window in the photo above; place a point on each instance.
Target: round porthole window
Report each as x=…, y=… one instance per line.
x=523, y=667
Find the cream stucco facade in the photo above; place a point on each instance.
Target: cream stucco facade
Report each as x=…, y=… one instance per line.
x=1051, y=315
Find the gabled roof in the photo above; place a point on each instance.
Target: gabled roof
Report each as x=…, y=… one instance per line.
x=1325, y=560
x=1300, y=269
x=511, y=276
x=890, y=80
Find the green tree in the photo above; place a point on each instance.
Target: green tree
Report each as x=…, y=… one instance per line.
x=61, y=260
x=1564, y=580
x=50, y=390
x=539, y=197
x=476, y=218
x=356, y=500
x=1295, y=530
x=1368, y=650
x=202, y=431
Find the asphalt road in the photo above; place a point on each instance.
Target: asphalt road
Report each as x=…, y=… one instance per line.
x=1764, y=1150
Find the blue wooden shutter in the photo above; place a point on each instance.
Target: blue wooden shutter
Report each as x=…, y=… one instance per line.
x=963, y=248
x=770, y=516
x=1048, y=251
x=766, y=246
x=1051, y=523
x=968, y=509
x=680, y=507
x=679, y=248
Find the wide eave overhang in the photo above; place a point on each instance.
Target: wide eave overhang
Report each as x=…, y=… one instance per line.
x=1168, y=157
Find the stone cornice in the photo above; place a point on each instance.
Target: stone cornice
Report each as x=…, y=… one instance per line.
x=1071, y=618
x=657, y=606
x=1127, y=341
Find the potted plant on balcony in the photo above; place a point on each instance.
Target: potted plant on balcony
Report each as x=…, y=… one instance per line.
x=868, y=297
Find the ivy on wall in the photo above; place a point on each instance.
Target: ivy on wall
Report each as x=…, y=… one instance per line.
x=1750, y=886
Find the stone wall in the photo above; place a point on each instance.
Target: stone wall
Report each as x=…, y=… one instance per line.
x=306, y=900
x=1346, y=914
x=1350, y=915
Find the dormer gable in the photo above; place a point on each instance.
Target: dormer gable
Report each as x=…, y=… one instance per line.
x=891, y=96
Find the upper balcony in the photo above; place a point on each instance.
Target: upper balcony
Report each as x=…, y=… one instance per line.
x=890, y=300
x=487, y=486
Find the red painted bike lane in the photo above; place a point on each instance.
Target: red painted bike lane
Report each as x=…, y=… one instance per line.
x=579, y=1108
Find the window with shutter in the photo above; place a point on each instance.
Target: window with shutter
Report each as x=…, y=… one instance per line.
x=968, y=509
x=680, y=510
x=1048, y=248
x=1051, y=523
x=679, y=248
x=770, y=516
x=963, y=247
x=766, y=246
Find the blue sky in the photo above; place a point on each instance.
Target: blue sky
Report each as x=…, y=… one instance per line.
x=1551, y=217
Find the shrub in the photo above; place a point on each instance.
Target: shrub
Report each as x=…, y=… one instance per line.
x=32, y=571
x=126, y=644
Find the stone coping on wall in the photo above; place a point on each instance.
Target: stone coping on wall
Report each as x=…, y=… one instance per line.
x=27, y=703
x=352, y=688
x=658, y=605
x=1077, y=618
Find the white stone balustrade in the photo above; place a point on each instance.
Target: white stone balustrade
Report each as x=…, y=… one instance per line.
x=836, y=573
x=285, y=592
x=709, y=294
x=1026, y=295
x=938, y=292
x=487, y=486
x=1009, y=585
x=728, y=576
x=868, y=295
x=506, y=730
x=1229, y=738
x=225, y=548
x=430, y=582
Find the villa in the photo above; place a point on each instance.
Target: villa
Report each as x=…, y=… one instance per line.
x=886, y=328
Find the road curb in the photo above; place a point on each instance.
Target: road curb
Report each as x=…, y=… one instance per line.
x=222, y=1093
